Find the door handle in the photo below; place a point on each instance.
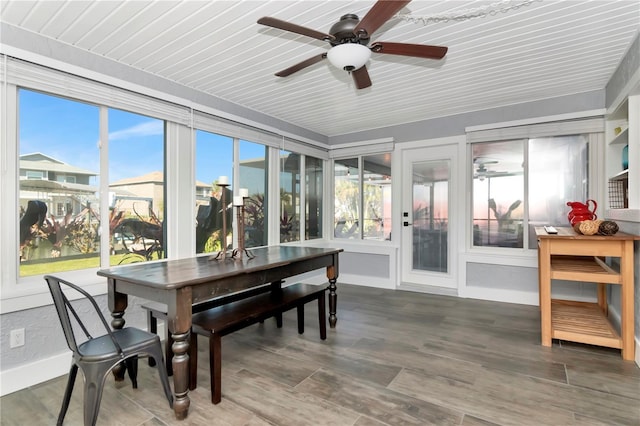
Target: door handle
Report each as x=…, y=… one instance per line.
x=407, y=224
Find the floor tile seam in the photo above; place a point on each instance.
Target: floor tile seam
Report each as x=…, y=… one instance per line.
x=130, y=398
x=475, y=411
x=363, y=416
x=478, y=417
x=357, y=414
x=571, y=389
x=579, y=387
x=434, y=402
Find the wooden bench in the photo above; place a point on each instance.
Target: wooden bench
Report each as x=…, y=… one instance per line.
x=220, y=321
x=158, y=311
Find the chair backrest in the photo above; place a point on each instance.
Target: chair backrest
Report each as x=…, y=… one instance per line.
x=68, y=315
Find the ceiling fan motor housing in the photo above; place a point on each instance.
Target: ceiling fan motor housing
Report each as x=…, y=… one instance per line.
x=343, y=31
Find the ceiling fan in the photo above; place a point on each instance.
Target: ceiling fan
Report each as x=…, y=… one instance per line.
x=349, y=38
x=481, y=168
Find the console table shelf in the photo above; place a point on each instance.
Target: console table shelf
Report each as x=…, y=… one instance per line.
x=582, y=268
x=582, y=322
x=573, y=257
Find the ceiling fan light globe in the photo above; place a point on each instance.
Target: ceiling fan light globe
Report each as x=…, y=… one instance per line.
x=349, y=56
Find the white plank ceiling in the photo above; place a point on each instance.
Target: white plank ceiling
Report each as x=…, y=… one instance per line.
x=540, y=50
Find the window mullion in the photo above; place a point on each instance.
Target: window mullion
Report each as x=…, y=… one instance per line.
x=273, y=191
x=525, y=214
x=302, y=202
x=103, y=129
x=361, y=200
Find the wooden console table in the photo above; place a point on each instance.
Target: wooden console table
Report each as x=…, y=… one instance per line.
x=570, y=256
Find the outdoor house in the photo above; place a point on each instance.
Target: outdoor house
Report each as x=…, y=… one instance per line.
x=64, y=187
x=434, y=179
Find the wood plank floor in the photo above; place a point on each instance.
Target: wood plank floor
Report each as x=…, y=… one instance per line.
x=396, y=358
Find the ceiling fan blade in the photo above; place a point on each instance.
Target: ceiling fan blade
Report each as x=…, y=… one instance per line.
x=361, y=77
x=288, y=26
x=380, y=13
x=406, y=49
x=301, y=65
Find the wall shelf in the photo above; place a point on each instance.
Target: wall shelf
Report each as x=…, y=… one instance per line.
x=623, y=184
x=621, y=138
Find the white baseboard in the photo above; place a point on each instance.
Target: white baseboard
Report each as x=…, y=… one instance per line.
x=614, y=317
x=40, y=371
x=347, y=279
x=33, y=373
x=368, y=281
x=421, y=288
x=501, y=295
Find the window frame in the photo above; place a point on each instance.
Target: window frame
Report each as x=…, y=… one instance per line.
x=19, y=293
x=358, y=150
x=23, y=292
x=591, y=126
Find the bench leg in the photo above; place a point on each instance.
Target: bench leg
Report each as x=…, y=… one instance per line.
x=215, y=367
x=152, y=326
x=300, y=318
x=276, y=286
x=193, y=361
x=322, y=316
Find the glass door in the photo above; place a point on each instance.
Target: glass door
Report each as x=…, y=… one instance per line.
x=427, y=217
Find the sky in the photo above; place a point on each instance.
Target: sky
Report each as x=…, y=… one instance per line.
x=68, y=131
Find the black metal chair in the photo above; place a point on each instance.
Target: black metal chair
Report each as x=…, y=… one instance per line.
x=97, y=356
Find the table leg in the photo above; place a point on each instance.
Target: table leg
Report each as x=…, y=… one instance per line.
x=332, y=274
x=602, y=298
x=627, y=302
x=180, y=364
x=179, y=311
x=545, y=292
x=333, y=299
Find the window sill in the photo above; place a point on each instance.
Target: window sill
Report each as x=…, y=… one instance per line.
x=507, y=257
x=356, y=246
x=626, y=215
x=32, y=292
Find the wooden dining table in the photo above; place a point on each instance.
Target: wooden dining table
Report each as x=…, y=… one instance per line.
x=181, y=283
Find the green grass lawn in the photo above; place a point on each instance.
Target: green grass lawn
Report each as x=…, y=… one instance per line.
x=51, y=267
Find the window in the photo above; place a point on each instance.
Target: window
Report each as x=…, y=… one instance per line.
x=376, y=194
x=363, y=196
x=214, y=158
x=347, y=198
x=430, y=204
x=520, y=184
x=289, y=196
x=34, y=174
x=65, y=178
x=498, y=194
x=136, y=186
x=313, y=197
x=558, y=172
x=92, y=161
x=60, y=209
x=254, y=176
x=58, y=222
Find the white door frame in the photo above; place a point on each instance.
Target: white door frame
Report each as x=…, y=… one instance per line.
x=427, y=281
